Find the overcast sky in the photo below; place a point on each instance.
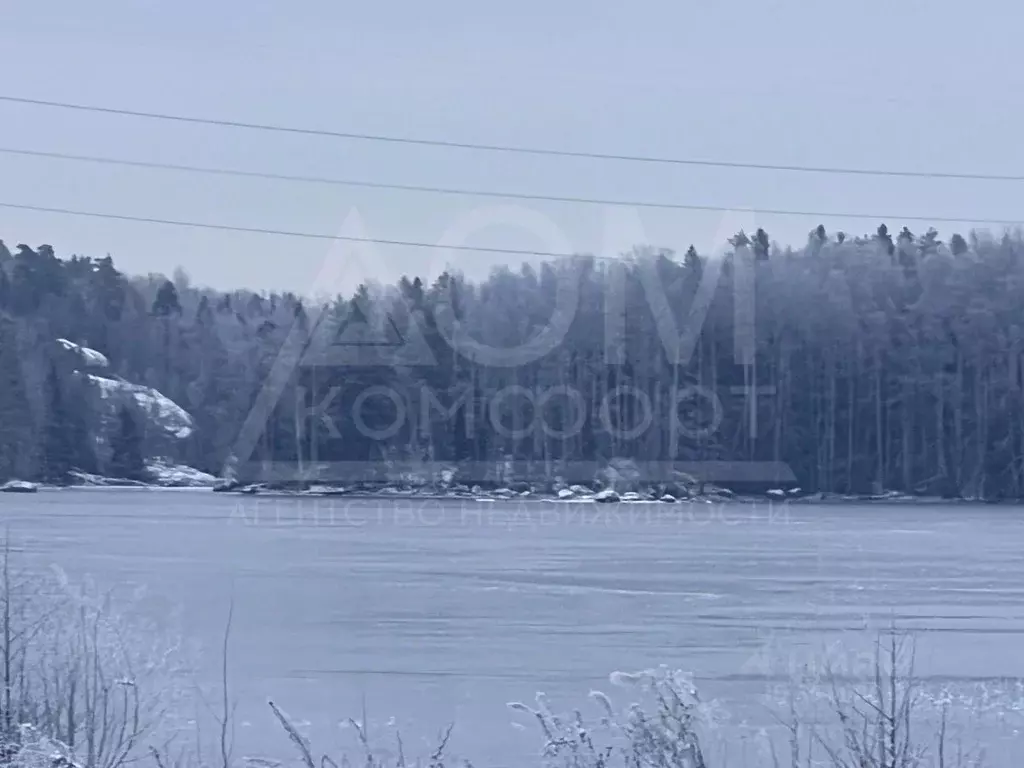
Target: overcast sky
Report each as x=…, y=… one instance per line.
x=909, y=85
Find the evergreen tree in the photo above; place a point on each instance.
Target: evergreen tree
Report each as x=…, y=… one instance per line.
x=58, y=454
x=883, y=237
x=762, y=245
x=166, y=302
x=126, y=459
x=16, y=426
x=79, y=433
x=692, y=261
x=204, y=315
x=898, y=363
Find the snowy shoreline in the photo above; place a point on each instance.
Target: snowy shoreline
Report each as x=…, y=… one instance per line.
x=198, y=481
x=548, y=498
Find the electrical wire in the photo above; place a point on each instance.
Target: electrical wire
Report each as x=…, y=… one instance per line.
x=542, y=151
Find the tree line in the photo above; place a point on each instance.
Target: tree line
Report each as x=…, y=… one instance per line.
x=878, y=362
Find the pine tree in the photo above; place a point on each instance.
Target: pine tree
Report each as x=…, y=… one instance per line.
x=78, y=434
x=126, y=460
x=166, y=302
x=58, y=454
x=883, y=237
x=692, y=261
x=204, y=314
x=762, y=245
x=15, y=418
x=167, y=306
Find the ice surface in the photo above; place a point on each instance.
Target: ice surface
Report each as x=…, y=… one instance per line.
x=398, y=610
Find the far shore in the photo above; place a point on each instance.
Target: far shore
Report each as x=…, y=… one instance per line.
x=539, y=497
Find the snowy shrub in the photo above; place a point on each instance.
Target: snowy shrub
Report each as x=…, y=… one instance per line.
x=90, y=680
x=666, y=736
x=28, y=747
x=876, y=714
x=371, y=757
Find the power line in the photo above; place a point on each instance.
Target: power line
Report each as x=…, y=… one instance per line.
x=360, y=183
x=354, y=182
x=543, y=151
x=440, y=246
x=281, y=232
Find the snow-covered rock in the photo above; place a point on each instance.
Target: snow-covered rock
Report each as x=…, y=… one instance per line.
x=607, y=496
x=776, y=492
x=565, y=493
x=580, y=490
x=668, y=498
x=685, y=479
x=620, y=473
x=18, y=486
x=115, y=391
x=90, y=358
x=169, y=475
x=227, y=484
x=715, y=490
x=90, y=480
x=315, y=490
x=631, y=496
x=164, y=412
x=160, y=472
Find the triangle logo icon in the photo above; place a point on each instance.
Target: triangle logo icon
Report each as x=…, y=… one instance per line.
x=356, y=331
x=339, y=336
x=345, y=338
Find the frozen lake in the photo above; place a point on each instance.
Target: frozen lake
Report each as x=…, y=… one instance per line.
x=436, y=613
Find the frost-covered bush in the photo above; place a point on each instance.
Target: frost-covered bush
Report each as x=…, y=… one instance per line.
x=87, y=679
x=666, y=734
x=371, y=757
x=849, y=710
x=868, y=709
x=28, y=747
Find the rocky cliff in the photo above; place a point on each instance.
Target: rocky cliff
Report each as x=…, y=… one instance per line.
x=165, y=422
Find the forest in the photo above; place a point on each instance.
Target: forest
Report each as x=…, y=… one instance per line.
x=868, y=363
